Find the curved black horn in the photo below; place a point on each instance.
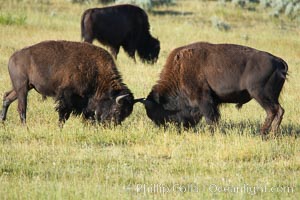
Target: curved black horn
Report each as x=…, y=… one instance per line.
x=147, y=103
x=120, y=97
x=141, y=100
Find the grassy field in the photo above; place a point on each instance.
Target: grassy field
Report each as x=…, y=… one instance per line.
x=139, y=160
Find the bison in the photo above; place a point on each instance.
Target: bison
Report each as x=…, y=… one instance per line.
x=121, y=25
x=197, y=78
x=82, y=78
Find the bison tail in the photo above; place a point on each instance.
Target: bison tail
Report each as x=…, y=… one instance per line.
x=82, y=25
x=284, y=71
x=281, y=68
x=86, y=27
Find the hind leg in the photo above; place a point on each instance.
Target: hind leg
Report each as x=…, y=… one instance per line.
x=267, y=96
x=277, y=120
x=271, y=113
x=22, y=104
x=8, y=98
x=271, y=109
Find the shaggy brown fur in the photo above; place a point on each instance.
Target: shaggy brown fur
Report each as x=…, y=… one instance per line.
x=197, y=78
x=81, y=77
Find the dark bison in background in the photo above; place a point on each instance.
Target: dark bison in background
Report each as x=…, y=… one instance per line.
x=197, y=78
x=121, y=25
x=82, y=78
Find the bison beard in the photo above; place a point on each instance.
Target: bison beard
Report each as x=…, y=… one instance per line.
x=197, y=78
x=121, y=25
x=82, y=78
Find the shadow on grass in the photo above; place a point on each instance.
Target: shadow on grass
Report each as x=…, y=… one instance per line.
x=248, y=127
x=170, y=12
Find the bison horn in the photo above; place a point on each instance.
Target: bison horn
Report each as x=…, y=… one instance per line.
x=141, y=100
x=120, y=97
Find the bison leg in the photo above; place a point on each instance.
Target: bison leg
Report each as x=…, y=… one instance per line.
x=44, y=97
x=64, y=106
x=131, y=54
x=271, y=113
x=210, y=112
x=271, y=108
x=130, y=50
x=63, y=113
x=114, y=51
x=22, y=104
x=8, y=98
x=278, y=118
x=267, y=97
x=88, y=38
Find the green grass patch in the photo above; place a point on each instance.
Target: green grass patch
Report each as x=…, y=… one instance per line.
x=8, y=19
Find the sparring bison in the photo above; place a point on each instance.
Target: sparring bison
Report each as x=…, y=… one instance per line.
x=121, y=25
x=197, y=78
x=82, y=78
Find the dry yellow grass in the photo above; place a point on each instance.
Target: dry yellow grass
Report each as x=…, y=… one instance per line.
x=129, y=161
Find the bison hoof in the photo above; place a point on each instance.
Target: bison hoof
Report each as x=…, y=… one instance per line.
x=2, y=117
x=265, y=137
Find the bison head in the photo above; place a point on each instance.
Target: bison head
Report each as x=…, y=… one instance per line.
x=111, y=109
x=162, y=109
x=148, y=50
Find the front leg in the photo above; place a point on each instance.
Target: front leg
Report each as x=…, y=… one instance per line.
x=63, y=108
x=114, y=51
x=64, y=115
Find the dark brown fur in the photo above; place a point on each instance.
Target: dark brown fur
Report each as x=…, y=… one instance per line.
x=121, y=25
x=197, y=78
x=81, y=77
